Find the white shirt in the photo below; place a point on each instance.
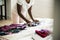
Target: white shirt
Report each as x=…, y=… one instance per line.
x=25, y=5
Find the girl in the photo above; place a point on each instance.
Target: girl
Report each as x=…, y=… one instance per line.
x=23, y=7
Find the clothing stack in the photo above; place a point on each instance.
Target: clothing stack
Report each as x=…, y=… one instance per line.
x=43, y=33
x=10, y=29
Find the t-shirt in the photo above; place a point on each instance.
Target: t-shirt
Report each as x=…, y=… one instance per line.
x=25, y=5
x=23, y=2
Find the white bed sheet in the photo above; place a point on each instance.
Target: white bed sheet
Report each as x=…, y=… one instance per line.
x=45, y=23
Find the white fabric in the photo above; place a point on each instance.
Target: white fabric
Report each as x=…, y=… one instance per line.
x=37, y=37
x=45, y=23
x=25, y=5
x=26, y=38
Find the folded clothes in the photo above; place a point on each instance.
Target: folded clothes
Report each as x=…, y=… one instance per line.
x=33, y=24
x=5, y=28
x=5, y=33
x=19, y=26
x=14, y=30
x=10, y=29
x=2, y=33
x=42, y=33
x=12, y=26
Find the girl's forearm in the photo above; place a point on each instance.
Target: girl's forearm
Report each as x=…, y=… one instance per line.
x=30, y=13
x=19, y=7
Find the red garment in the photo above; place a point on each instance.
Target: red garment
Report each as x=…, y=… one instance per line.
x=43, y=33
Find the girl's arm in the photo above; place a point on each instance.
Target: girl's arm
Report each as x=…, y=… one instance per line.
x=30, y=13
x=19, y=7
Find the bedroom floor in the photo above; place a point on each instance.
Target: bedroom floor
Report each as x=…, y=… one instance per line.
x=5, y=22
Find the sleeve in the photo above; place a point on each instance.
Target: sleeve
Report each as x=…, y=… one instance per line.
x=32, y=2
x=20, y=2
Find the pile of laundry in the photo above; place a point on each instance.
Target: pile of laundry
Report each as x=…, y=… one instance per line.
x=10, y=29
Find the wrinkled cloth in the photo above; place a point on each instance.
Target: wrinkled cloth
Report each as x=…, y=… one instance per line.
x=43, y=33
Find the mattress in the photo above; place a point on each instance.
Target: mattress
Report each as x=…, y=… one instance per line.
x=29, y=32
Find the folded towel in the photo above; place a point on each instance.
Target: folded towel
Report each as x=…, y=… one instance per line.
x=42, y=33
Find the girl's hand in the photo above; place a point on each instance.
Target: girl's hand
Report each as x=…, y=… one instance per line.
x=36, y=21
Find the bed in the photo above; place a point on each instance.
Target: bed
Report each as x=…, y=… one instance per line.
x=29, y=32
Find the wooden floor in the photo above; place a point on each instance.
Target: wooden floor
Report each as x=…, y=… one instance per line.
x=5, y=22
